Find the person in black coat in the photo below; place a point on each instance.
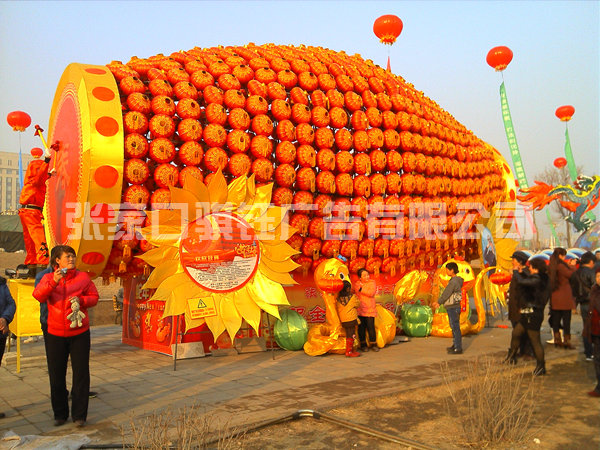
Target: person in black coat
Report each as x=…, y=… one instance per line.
x=581, y=283
x=515, y=292
x=535, y=292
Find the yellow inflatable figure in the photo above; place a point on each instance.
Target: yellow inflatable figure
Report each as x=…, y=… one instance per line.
x=408, y=286
x=330, y=337
x=440, y=326
x=385, y=326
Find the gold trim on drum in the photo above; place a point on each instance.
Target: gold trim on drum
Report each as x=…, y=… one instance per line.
x=86, y=119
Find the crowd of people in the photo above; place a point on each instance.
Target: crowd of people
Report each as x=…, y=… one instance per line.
x=65, y=294
x=564, y=286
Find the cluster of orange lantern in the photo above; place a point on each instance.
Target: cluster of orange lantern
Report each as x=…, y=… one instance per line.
x=339, y=137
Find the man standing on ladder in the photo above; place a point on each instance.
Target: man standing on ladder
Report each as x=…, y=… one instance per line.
x=32, y=200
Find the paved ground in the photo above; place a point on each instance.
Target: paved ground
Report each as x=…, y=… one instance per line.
x=245, y=388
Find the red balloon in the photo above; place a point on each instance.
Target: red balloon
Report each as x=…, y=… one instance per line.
x=18, y=120
x=499, y=57
x=565, y=112
x=387, y=28
x=560, y=163
x=36, y=152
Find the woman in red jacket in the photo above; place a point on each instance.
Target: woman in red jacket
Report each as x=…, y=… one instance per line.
x=561, y=300
x=365, y=289
x=68, y=294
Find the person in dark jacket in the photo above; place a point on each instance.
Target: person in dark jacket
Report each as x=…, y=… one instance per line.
x=7, y=313
x=519, y=262
x=67, y=290
x=450, y=298
x=592, y=331
x=582, y=281
x=561, y=301
x=535, y=293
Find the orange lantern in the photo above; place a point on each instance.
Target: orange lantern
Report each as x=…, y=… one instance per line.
x=559, y=163
x=387, y=28
x=36, y=152
x=18, y=120
x=565, y=112
x=499, y=57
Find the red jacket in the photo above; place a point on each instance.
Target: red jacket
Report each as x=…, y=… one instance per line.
x=74, y=283
x=34, y=185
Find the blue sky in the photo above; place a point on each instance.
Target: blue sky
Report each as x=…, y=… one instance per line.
x=441, y=51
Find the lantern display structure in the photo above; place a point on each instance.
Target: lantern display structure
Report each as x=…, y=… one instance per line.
x=343, y=144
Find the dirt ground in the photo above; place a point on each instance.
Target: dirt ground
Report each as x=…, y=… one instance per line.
x=564, y=417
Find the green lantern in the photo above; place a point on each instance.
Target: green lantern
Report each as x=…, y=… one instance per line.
x=291, y=331
x=416, y=319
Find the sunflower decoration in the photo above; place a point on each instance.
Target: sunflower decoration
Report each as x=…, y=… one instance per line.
x=220, y=254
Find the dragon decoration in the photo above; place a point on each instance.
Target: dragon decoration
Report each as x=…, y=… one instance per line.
x=579, y=198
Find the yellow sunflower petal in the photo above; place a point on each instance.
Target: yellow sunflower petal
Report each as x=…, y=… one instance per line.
x=270, y=220
x=164, y=291
x=176, y=291
x=230, y=315
x=266, y=292
x=237, y=192
x=199, y=189
x=279, y=251
x=248, y=309
x=268, y=308
x=162, y=235
x=279, y=277
x=215, y=325
x=165, y=217
x=262, y=201
x=217, y=191
x=191, y=323
x=250, y=190
x=187, y=203
x=161, y=273
x=284, y=266
x=156, y=256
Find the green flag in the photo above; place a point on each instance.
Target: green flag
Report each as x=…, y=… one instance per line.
x=569, y=157
x=512, y=140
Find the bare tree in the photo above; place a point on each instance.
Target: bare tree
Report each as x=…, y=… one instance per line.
x=553, y=176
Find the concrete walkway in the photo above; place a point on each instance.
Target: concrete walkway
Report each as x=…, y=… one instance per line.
x=244, y=389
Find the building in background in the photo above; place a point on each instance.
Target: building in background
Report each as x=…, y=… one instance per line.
x=10, y=188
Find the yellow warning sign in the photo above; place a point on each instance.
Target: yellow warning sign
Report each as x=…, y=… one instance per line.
x=201, y=307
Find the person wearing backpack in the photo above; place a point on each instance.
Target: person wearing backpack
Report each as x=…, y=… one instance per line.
x=592, y=330
x=581, y=283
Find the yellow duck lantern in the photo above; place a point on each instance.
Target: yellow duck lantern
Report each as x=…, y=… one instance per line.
x=440, y=326
x=330, y=336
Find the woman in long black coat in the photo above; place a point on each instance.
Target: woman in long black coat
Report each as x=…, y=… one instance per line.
x=535, y=288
